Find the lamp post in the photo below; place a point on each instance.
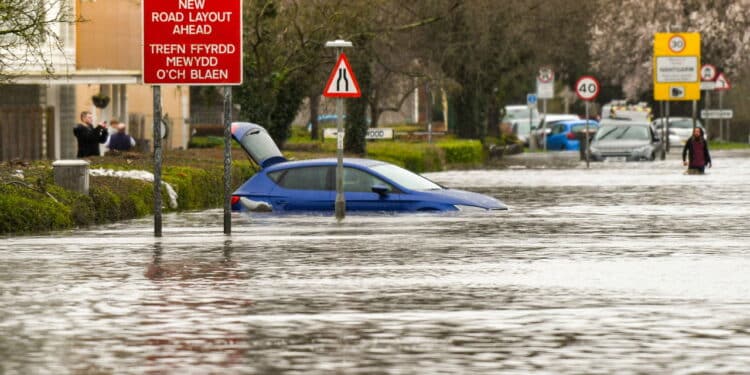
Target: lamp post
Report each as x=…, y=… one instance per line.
x=340, y=205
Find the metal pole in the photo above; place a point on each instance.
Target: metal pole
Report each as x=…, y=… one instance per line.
x=428, y=109
x=544, y=125
x=707, y=106
x=157, y=161
x=586, y=136
x=227, y=160
x=664, y=137
x=666, y=145
x=721, y=120
x=695, y=113
x=340, y=204
x=531, y=144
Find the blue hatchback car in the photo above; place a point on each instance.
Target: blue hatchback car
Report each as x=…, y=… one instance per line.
x=563, y=136
x=309, y=185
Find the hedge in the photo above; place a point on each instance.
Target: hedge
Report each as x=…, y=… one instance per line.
x=35, y=204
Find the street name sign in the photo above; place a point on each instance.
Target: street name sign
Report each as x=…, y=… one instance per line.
x=372, y=133
x=342, y=83
x=676, y=66
x=192, y=42
x=717, y=113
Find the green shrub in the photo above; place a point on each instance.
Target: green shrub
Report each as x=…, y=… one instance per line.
x=416, y=157
x=24, y=210
x=462, y=152
x=210, y=141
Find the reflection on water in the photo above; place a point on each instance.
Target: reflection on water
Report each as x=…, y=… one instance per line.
x=624, y=268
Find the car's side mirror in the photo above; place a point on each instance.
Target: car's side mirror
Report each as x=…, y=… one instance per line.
x=382, y=190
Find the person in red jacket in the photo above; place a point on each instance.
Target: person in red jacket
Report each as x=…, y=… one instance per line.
x=696, y=151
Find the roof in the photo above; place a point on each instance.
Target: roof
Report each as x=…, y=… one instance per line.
x=624, y=121
x=325, y=162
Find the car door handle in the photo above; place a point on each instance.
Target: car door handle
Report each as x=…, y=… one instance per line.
x=281, y=202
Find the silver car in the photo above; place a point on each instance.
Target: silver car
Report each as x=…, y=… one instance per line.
x=625, y=140
x=680, y=129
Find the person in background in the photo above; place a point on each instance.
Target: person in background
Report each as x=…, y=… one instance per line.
x=696, y=150
x=119, y=140
x=88, y=136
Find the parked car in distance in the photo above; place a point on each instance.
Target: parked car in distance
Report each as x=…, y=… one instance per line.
x=563, y=135
x=310, y=185
x=625, y=140
x=521, y=119
x=542, y=129
x=680, y=129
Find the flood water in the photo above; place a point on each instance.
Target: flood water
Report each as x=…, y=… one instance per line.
x=630, y=268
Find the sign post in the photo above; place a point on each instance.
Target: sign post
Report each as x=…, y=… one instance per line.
x=341, y=84
x=722, y=84
x=708, y=75
x=545, y=88
x=587, y=89
x=531, y=100
x=676, y=69
x=192, y=42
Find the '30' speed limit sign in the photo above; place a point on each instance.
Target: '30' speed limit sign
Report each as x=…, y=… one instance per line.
x=587, y=88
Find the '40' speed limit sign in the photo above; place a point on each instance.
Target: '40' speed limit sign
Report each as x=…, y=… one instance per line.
x=587, y=88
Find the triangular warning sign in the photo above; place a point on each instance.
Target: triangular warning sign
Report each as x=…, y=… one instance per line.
x=722, y=83
x=342, y=83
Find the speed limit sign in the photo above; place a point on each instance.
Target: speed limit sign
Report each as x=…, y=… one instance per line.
x=587, y=88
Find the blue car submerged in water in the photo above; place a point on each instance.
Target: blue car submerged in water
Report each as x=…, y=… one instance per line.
x=310, y=185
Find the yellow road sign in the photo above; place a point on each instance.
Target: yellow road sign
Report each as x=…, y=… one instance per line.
x=677, y=61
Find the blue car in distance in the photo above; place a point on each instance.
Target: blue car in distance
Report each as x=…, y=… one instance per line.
x=310, y=185
x=564, y=135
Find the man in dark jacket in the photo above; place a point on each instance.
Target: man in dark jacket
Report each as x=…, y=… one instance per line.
x=88, y=136
x=696, y=150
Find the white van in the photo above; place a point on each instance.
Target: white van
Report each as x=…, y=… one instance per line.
x=521, y=119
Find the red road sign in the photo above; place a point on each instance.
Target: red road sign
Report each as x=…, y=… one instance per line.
x=341, y=82
x=708, y=72
x=722, y=83
x=545, y=75
x=193, y=42
x=587, y=88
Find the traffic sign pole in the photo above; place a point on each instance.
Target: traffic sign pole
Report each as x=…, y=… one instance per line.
x=227, y=160
x=586, y=136
x=544, y=125
x=340, y=204
x=587, y=89
x=157, y=161
x=721, y=121
x=663, y=130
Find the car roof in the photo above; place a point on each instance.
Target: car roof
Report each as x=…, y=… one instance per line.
x=624, y=122
x=559, y=116
x=578, y=121
x=323, y=162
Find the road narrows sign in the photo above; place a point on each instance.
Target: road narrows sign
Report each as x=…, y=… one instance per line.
x=193, y=42
x=722, y=83
x=342, y=83
x=587, y=88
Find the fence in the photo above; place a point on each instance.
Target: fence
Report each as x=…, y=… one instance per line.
x=26, y=133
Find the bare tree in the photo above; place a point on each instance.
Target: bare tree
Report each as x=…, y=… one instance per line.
x=31, y=34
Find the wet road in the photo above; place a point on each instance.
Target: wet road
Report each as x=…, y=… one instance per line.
x=624, y=268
